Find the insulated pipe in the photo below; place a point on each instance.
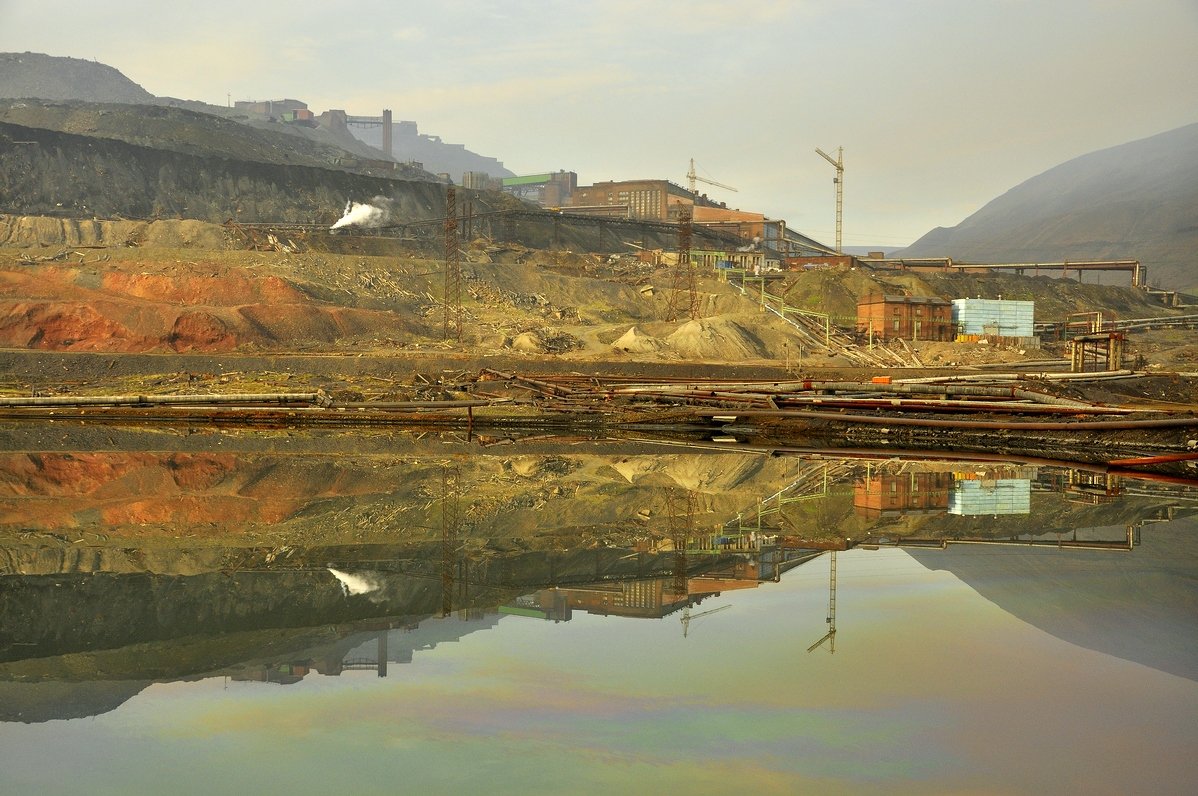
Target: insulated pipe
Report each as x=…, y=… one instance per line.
x=1096, y=375
x=906, y=388
x=963, y=406
x=166, y=400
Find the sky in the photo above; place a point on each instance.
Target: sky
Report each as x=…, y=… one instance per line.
x=940, y=105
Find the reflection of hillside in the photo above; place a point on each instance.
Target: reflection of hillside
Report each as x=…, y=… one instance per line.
x=30, y=703
x=278, y=625
x=104, y=615
x=1142, y=606
x=156, y=500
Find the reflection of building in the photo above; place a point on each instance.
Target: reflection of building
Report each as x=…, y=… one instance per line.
x=988, y=491
x=974, y=497
x=757, y=559
x=893, y=494
x=651, y=598
x=281, y=673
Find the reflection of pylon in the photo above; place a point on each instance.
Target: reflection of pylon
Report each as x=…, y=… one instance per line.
x=681, y=514
x=453, y=269
x=449, y=536
x=684, y=274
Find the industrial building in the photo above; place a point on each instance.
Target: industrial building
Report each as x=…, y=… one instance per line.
x=888, y=317
x=552, y=189
x=994, y=317
x=650, y=200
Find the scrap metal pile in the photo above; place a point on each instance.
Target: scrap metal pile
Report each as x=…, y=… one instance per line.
x=1014, y=414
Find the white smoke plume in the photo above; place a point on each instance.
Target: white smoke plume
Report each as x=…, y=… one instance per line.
x=352, y=584
x=376, y=213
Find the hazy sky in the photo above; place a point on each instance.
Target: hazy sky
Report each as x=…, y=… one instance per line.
x=940, y=105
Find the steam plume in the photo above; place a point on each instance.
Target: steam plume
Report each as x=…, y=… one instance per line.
x=361, y=214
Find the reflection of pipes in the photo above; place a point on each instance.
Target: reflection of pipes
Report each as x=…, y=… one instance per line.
x=1175, y=457
x=942, y=544
x=1087, y=425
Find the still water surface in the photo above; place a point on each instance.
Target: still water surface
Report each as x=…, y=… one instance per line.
x=587, y=618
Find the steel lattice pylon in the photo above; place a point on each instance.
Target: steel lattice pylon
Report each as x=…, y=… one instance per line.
x=684, y=274
x=453, y=269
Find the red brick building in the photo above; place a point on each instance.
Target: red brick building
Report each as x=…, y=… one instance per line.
x=906, y=317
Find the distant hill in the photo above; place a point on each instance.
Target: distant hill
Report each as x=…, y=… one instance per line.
x=434, y=155
x=51, y=77
x=1134, y=201
x=46, y=77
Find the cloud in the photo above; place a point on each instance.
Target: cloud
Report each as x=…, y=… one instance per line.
x=409, y=33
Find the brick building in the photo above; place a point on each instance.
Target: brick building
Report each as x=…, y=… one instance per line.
x=907, y=317
x=652, y=200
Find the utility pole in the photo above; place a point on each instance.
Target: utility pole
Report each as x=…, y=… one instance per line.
x=839, y=180
x=684, y=277
x=453, y=269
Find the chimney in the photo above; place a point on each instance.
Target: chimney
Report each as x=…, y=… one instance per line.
x=387, y=133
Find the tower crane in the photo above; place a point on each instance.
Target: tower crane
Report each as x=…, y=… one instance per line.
x=691, y=177
x=687, y=616
x=838, y=164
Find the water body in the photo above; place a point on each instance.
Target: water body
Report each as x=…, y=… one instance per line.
x=212, y=613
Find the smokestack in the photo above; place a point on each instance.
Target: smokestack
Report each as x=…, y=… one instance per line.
x=387, y=133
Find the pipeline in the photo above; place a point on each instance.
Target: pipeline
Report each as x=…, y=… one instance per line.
x=904, y=388
x=309, y=398
x=1097, y=375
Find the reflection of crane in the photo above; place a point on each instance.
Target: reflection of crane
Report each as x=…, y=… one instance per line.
x=830, y=636
x=687, y=616
x=839, y=180
x=692, y=177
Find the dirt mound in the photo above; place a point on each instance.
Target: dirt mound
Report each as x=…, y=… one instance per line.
x=194, y=306
x=31, y=231
x=717, y=338
x=636, y=342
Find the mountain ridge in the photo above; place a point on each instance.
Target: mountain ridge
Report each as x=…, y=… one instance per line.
x=1137, y=200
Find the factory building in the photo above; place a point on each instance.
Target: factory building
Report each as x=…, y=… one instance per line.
x=552, y=189
x=888, y=317
x=994, y=317
x=650, y=200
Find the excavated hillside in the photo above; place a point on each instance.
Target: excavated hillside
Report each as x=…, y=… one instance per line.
x=187, y=287
x=46, y=172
